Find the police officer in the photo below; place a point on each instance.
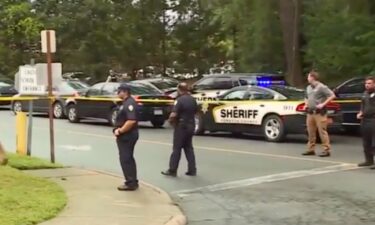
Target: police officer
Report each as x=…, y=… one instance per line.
x=126, y=133
x=367, y=115
x=318, y=96
x=182, y=118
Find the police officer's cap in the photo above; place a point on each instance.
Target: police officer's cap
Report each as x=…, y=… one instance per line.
x=124, y=87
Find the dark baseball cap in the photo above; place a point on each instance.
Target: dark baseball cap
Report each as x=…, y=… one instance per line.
x=124, y=87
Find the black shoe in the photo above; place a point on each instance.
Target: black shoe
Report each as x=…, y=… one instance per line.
x=169, y=173
x=308, y=153
x=364, y=164
x=325, y=154
x=189, y=173
x=127, y=188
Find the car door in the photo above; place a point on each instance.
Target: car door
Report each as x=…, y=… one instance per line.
x=87, y=107
x=104, y=108
x=221, y=113
x=349, y=95
x=257, y=106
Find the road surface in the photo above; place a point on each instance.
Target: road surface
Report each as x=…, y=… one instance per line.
x=241, y=181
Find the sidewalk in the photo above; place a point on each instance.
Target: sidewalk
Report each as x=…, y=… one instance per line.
x=94, y=200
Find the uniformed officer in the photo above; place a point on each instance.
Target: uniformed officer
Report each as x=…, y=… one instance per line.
x=182, y=118
x=318, y=96
x=367, y=115
x=126, y=132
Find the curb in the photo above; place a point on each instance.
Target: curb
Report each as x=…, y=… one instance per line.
x=179, y=219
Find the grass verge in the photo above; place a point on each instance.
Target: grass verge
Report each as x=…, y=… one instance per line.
x=29, y=163
x=28, y=200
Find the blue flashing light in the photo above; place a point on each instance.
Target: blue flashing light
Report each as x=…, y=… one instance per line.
x=267, y=82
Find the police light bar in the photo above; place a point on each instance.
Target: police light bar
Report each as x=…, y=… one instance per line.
x=265, y=82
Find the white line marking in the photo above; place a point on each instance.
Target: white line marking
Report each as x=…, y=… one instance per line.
x=82, y=148
x=211, y=148
x=268, y=179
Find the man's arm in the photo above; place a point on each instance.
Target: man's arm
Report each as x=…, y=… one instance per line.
x=330, y=96
x=131, y=114
x=173, y=116
x=128, y=125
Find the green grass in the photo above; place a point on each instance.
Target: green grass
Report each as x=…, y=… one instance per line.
x=27, y=200
x=29, y=163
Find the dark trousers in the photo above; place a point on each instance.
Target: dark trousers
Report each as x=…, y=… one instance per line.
x=368, y=138
x=183, y=139
x=127, y=161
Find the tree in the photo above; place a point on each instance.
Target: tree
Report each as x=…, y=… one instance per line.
x=290, y=18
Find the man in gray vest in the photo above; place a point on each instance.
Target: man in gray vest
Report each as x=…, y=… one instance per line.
x=318, y=96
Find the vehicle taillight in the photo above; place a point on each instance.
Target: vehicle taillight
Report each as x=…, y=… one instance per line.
x=330, y=106
x=138, y=99
x=333, y=106
x=301, y=108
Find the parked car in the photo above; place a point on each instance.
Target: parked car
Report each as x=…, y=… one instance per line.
x=63, y=91
x=164, y=84
x=272, y=112
x=6, y=90
x=349, y=94
x=101, y=102
x=213, y=85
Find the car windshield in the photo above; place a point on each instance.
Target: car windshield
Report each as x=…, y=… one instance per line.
x=77, y=85
x=289, y=92
x=2, y=84
x=141, y=89
x=65, y=87
x=164, y=84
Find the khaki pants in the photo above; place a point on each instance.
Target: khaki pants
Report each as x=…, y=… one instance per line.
x=317, y=122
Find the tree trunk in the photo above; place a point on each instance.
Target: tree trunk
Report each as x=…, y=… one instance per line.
x=3, y=159
x=290, y=17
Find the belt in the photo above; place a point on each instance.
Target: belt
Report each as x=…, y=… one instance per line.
x=316, y=111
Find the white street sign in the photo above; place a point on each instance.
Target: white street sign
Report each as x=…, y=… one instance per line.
x=28, y=83
x=52, y=35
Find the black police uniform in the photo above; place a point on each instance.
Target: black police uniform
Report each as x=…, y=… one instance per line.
x=368, y=125
x=126, y=141
x=185, y=107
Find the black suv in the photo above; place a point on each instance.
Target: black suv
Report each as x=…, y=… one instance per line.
x=349, y=94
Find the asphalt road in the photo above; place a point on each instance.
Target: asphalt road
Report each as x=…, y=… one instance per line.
x=241, y=181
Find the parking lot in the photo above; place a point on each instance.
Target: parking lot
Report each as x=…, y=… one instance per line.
x=241, y=180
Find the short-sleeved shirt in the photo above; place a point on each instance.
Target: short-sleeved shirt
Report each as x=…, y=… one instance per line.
x=368, y=105
x=185, y=107
x=128, y=111
x=317, y=94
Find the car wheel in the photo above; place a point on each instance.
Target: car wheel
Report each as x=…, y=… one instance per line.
x=73, y=114
x=273, y=129
x=113, y=117
x=199, y=127
x=58, y=110
x=158, y=123
x=17, y=107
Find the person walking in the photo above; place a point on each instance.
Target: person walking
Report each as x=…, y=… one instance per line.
x=127, y=135
x=318, y=96
x=367, y=117
x=183, y=120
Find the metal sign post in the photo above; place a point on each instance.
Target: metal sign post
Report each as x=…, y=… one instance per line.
x=49, y=47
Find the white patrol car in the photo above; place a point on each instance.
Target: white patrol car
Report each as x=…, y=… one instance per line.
x=209, y=88
x=273, y=112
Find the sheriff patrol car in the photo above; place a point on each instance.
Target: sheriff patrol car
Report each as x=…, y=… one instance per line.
x=210, y=87
x=273, y=112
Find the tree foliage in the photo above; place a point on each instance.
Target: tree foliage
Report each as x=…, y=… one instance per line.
x=336, y=37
